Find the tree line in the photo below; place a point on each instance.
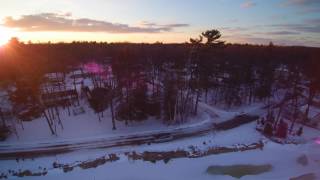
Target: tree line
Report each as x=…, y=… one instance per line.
x=169, y=80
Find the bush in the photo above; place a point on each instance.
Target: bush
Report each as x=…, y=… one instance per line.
x=125, y=112
x=100, y=98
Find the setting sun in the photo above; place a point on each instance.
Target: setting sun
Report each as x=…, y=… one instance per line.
x=5, y=35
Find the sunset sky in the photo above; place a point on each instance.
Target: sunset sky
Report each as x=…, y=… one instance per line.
x=285, y=22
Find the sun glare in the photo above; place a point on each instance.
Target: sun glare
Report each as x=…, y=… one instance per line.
x=5, y=35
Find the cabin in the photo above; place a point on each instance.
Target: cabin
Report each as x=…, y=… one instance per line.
x=55, y=91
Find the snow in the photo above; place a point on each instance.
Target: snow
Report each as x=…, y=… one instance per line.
x=87, y=126
x=81, y=126
x=241, y=135
x=283, y=159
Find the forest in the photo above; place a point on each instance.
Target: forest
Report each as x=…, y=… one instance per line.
x=167, y=81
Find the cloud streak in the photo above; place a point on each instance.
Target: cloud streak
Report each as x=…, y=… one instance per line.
x=308, y=26
x=253, y=39
x=65, y=22
x=248, y=4
x=301, y=2
x=304, y=6
x=281, y=33
x=304, y=33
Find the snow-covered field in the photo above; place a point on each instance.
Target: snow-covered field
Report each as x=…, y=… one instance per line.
x=87, y=125
x=282, y=158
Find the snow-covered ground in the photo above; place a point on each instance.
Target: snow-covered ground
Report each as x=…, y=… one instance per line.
x=282, y=158
x=87, y=125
